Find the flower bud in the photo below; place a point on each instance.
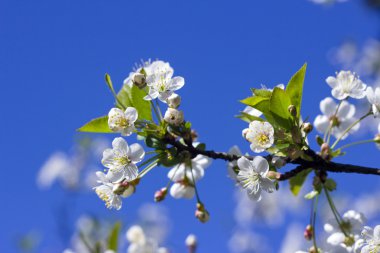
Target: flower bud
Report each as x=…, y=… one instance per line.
x=308, y=233
x=160, y=194
x=139, y=80
x=194, y=135
x=313, y=250
x=273, y=175
x=292, y=110
x=278, y=162
x=173, y=116
x=201, y=213
x=191, y=243
x=174, y=101
x=377, y=138
x=123, y=189
x=307, y=127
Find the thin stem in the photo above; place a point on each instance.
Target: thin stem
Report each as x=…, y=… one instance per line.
x=148, y=161
x=349, y=128
x=329, y=130
x=357, y=143
x=315, y=204
x=155, y=111
x=195, y=186
x=334, y=210
x=159, y=110
x=85, y=242
x=148, y=168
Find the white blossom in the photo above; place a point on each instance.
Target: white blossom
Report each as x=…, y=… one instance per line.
x=346, y=84
x=191, y=240
x=260, y=135
x=140, y=243
x=161, y=82
x=373, y=97
x=121, y=160
x=185, y=175
x=182, y=189
x=370, y=242
x=339, y=122
x=253, y=176
x=106, y=192
x=352, y=223
x=173, y=116
x=122, y=122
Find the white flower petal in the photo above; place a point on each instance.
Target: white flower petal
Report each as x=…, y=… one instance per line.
x=260, y=165
x=131, y=114
x=328, y=106
x=136, y=153
x=176, y=83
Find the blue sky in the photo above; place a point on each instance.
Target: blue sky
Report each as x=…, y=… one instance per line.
x=54, y=54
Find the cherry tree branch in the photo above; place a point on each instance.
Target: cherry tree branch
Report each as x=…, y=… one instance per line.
x=317, y=162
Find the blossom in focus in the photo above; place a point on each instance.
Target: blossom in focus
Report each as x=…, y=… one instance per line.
x=173, y=116
x=161, y=82
x=339, y=122
x=121, y=160
x=373, y=97
x=370, y=241
x=346, y=84
x=253, y=176
x=185, y=175
x=107, y=192
x=352, y=223
x=122, y=122
x=260, y=135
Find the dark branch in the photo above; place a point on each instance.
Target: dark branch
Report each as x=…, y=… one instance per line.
x=317, y=163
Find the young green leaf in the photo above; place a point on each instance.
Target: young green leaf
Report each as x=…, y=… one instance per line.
x=253, y=101
x=142, y=106
x=262, y=92
x=113, y=237
x=98, y=125
x=311, y=194
x=294, y=88
x=297, y=181
x=134, y=97
x=279, y=103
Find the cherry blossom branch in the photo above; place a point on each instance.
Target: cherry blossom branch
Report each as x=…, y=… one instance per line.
x=317, y=163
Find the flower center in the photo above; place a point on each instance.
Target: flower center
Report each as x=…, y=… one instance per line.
x=334, y=121
x=103, y=197
x=262, y=139
x=123, y=122
x=123, y=160
x=349, y=240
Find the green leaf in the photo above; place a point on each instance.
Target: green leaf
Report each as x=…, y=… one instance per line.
x=262, y=92
x=319, y=140
x=109, y=82
x=142, y=106
x=134, y=97
x=248, y=117
x=330, y=184
x=297, y=181
x=279, y=103
x=253, y=101
x=311, y=194
x=294, y=88
x=113, y=237
x=98, y=125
